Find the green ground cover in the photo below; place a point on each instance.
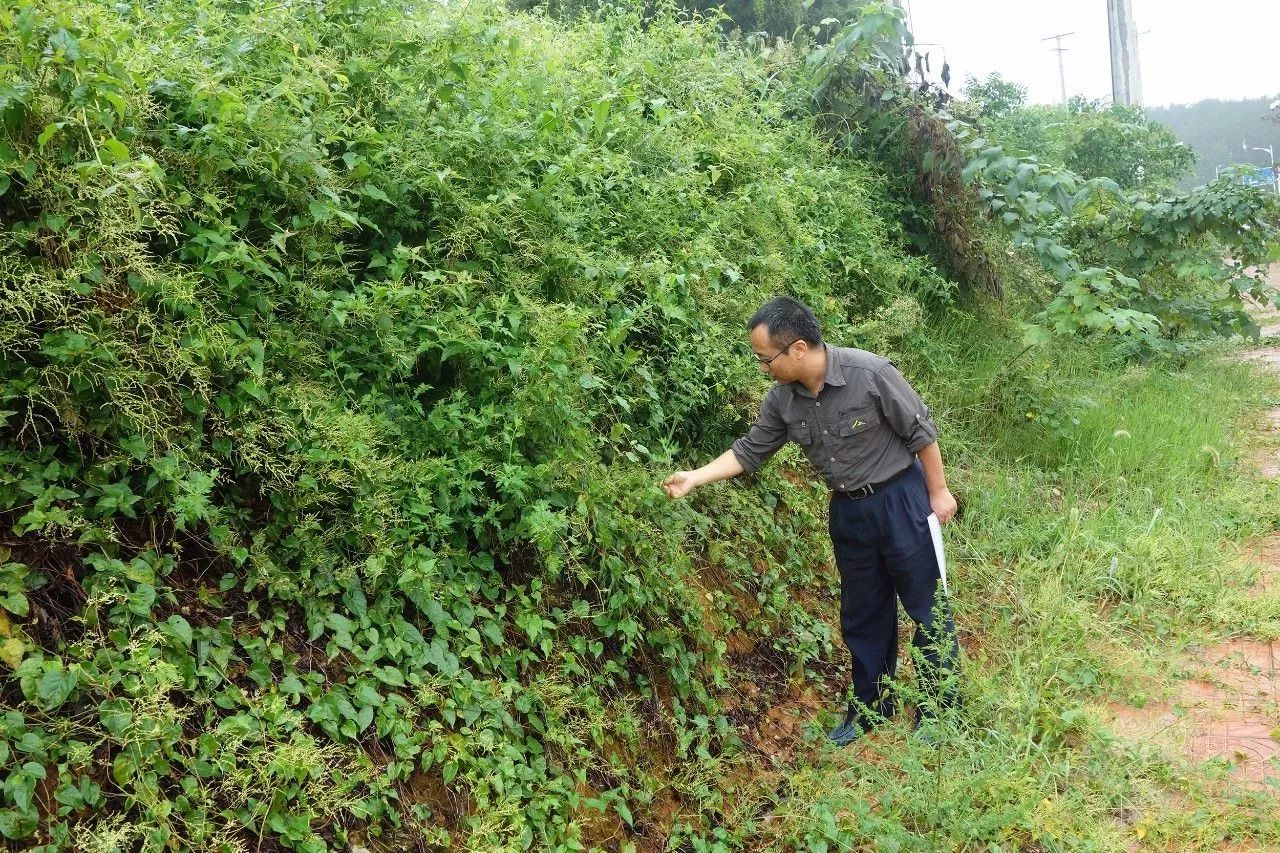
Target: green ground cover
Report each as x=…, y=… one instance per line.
x=342, y=347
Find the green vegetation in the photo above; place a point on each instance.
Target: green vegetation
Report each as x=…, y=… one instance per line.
x=1087, y=562
x=1089, y=191
x=1087, y=137
x=340, y=349
x=342, y=346
x=755, y=19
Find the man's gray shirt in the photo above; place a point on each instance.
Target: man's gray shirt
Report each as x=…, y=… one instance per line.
x=865, y=425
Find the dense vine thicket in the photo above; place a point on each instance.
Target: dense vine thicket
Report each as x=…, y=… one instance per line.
x=340, y=349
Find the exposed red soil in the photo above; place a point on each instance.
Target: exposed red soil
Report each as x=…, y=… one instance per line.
x=780, y=731
x=1267, y=557
x=1267, y=460
x=1227, y=708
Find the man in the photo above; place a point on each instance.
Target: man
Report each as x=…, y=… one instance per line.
x=871, y=438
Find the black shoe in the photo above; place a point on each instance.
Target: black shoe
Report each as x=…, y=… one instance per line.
x=847, y=732
x=857, y=724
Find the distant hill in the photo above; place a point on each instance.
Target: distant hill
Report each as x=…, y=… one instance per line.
x=1215, y=130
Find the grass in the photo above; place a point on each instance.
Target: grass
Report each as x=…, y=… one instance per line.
x=1101, y=540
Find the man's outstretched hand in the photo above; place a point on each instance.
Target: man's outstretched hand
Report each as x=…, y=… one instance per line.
x=679, y=484
x=722, y=467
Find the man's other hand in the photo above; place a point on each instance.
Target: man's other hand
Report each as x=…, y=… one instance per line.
x=943, y=505
x=679, y=484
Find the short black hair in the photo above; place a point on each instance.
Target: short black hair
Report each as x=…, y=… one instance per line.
x=787, y=320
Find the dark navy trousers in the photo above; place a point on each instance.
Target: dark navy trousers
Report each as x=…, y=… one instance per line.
x=885, y=552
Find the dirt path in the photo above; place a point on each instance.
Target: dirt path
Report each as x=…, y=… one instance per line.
x=1229, y=703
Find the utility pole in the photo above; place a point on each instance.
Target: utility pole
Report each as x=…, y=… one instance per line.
x=1062, y=76
x=1126, y=74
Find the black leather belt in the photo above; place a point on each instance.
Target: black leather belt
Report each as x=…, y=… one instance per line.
x=870, y=488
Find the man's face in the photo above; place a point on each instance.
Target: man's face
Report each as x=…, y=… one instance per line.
x=783, y=362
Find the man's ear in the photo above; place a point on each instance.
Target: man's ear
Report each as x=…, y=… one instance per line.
x=801, y=348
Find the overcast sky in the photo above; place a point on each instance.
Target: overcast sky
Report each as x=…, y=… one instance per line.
x=1227, y=49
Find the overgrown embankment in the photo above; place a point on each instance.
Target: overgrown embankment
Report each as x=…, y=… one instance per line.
x=341, y=349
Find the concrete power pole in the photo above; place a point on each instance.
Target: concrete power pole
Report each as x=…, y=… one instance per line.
x=1126, y=75
x=1062, y=75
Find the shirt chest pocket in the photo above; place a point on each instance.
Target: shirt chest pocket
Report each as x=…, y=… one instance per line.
x=801, y=432
x=854, y=423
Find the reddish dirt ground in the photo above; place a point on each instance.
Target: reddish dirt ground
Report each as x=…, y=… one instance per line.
x=1269, y=318
x=1228, y=707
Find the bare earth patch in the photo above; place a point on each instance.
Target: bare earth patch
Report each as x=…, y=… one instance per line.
x=1265, y=355
x=1267, y=557
x=1268, y=461
x=1266, y=315
x=780, y=731
x=1228, y=707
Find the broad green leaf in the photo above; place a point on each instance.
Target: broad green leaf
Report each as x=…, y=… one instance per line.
x=390, y=675
x=55, y=685
x=124, y=768
x=16, y=603
x=64, y=46
x=180, y=628
x=367, y=694
x=116, y=716
x=136, y=446
x=69, y=795
x=45, y=135
x=115, y=150
x=1034, y=335
x=15, y=824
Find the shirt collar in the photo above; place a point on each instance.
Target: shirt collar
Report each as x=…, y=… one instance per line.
x=834, y=374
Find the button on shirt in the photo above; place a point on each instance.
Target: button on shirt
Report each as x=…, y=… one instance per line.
x=864, y=426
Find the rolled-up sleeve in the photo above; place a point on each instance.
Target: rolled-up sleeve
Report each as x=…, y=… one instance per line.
x=903, y=409
x=767, y=435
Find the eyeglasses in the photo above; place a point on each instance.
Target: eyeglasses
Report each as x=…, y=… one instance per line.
x=768, y=361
